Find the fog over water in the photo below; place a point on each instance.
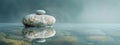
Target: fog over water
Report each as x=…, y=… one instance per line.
x=65, y=11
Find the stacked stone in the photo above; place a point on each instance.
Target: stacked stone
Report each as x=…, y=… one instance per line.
x=38, y=26
x=39, y=19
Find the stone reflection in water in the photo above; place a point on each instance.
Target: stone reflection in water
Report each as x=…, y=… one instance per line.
x=38, y=34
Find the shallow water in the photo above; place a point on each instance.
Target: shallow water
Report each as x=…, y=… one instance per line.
x=66, y=34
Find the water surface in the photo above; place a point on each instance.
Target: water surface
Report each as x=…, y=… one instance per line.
x=66, y=34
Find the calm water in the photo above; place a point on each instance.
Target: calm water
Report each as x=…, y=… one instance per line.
x=62, y=34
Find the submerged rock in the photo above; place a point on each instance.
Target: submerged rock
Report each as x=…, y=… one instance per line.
x=63, y=40
x=7, y=41
x=99, y=38
x=2, y=35
x=38, y=19
x=13, y=42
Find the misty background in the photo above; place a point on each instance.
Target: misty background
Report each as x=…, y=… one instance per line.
x=65, y=11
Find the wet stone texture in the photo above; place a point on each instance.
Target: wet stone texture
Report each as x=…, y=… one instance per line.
x=64, y=34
